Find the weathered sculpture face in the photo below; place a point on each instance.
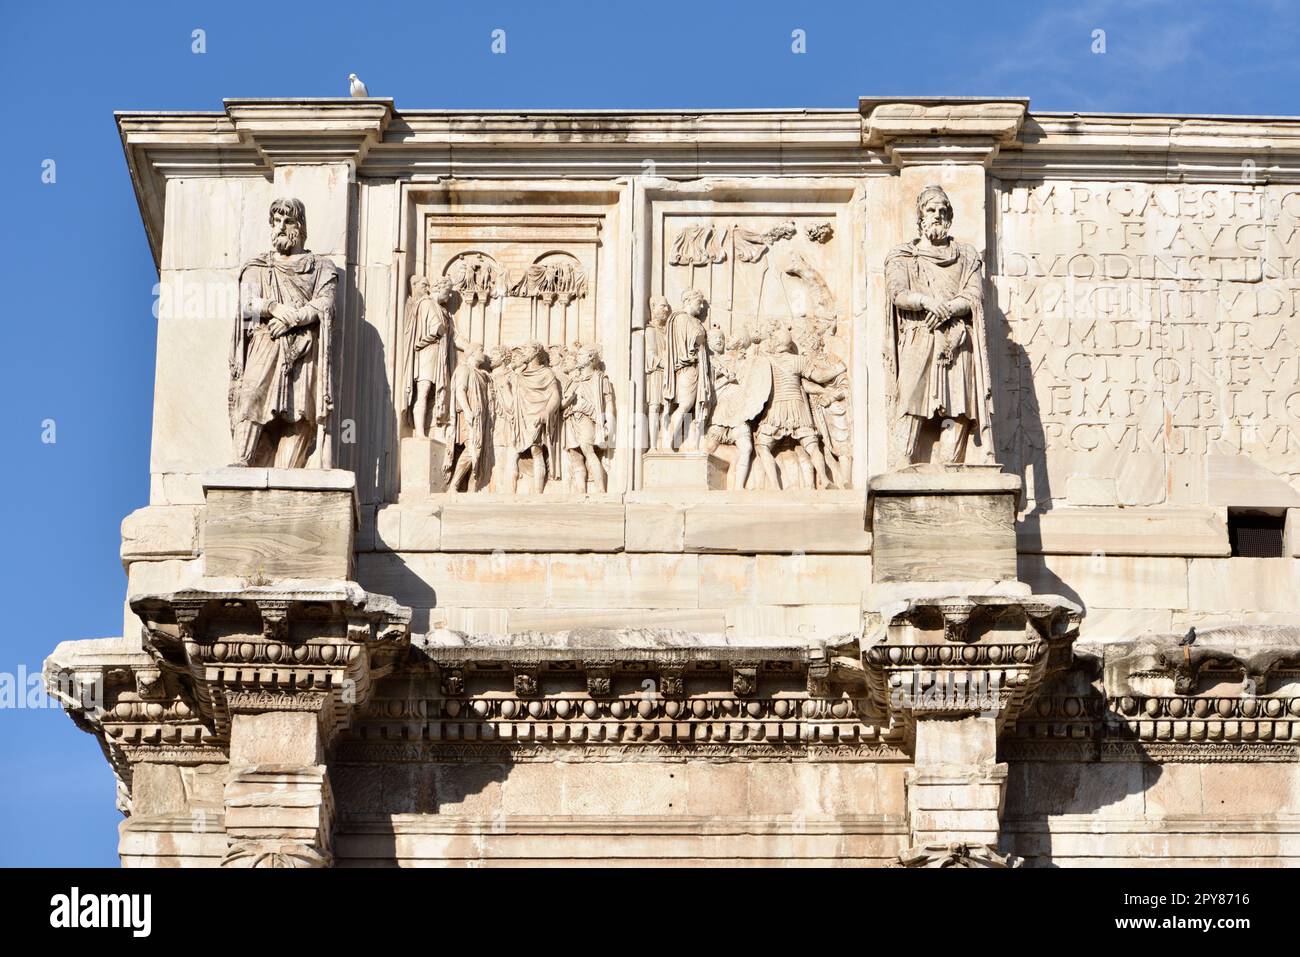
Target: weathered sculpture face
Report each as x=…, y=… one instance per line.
x=694, y=304
x=660, y=310
x=288, y=226
x=530, y=354
x=717, y=341
x=934, y=214
x=587, y=357
x=778, y=341
x=441, y=291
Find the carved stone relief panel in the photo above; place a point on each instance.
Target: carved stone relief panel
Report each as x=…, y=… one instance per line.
x=1146, y=341
x=770, y=288
x=516, y=305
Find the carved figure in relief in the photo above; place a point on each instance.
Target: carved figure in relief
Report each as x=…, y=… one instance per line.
x=280, y=352
x=498, y=377
x=832, y=409
x=938, y=350
x=535, y=416
x=774, y=382
x=428, y=353
x=688, y=384
x=655, y=331
x=469, y=431
x=729, y=424
x=588, y=419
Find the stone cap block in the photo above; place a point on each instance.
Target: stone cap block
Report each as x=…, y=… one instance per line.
x=945, y=480
x=997, y=118
x=325, y=480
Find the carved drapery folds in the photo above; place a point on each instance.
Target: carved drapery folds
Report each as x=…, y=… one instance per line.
x=759, y=336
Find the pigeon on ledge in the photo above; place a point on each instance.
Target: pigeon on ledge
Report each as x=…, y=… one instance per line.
x=356, y=87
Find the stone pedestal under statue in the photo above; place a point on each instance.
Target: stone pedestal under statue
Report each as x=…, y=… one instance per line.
x=955, y=646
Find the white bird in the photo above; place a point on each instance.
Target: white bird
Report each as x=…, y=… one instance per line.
x=356, y=87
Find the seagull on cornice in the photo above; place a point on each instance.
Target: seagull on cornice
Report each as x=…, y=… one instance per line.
x=356, y=87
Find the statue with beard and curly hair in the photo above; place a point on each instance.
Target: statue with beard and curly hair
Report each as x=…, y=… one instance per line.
x=280, y=351
x=938, y=354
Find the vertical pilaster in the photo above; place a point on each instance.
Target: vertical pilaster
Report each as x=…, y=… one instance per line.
x=313, y=155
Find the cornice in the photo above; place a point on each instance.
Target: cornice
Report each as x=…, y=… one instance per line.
x=250, y=137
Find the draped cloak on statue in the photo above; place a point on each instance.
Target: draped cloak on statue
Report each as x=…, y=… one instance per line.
x=921, y=383
x=424, y=317
x=289, y=377
x=536, y=415
x=687, y=380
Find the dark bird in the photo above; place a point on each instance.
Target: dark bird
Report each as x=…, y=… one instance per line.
x=1188, y=638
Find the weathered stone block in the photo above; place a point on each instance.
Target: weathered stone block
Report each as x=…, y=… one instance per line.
x=943, y=523
x=300, y=526
x=775, y=526
x=160, y=531
x=692, y=471
x=422, y=472
x=472, y=523
x=626, y=581
x=654, y=527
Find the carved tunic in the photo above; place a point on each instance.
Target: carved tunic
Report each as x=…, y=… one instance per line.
x=654, y=366
x=470, y=404
x=787, y=411
x=433, y=361
x=589, y=410
x=278, y=378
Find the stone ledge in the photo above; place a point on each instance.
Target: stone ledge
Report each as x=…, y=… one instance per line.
x=330, y=480
x=944, y=480
x=1125, y=531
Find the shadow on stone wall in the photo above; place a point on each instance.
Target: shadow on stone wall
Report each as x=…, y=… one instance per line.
x=1039, y=791
x=1018, y=438
x=368, y=404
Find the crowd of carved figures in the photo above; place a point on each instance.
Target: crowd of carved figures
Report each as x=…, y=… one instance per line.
x=549, y=409
x=765, y=389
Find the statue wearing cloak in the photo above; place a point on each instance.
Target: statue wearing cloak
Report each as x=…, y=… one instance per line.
x=428, y=353
x=687, y=381
x=282, y=381
x=940, y=372
x=469, y=429
x=536, y=416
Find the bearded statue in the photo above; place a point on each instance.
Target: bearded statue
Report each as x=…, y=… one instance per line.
x=280, y=351
x=937, y=351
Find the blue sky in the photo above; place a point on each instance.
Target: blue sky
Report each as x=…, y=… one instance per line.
x=79, y=332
